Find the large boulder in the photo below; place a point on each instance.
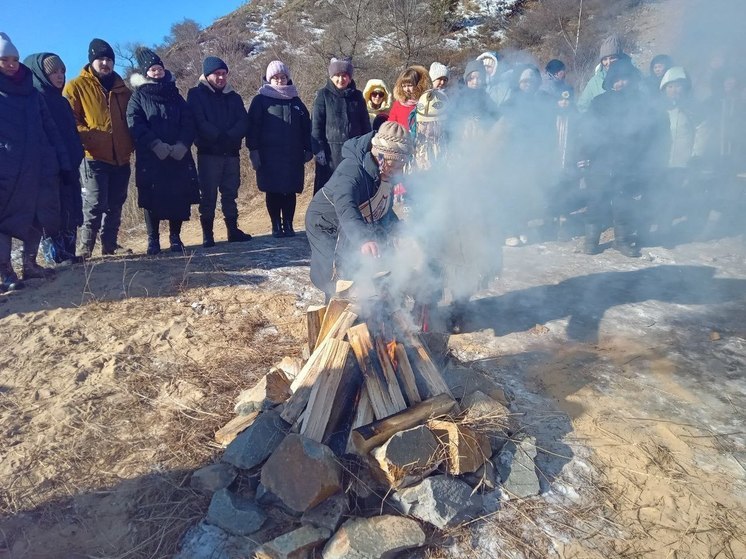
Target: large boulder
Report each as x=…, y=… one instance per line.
x=441, y=501
x=380, y=537
x=408, y=456
x=254, y=445
x=235, y=514
x=515, y=466
x=329, y=513
x=302, y=473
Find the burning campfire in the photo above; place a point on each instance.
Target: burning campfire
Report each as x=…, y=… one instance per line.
x=367, y=423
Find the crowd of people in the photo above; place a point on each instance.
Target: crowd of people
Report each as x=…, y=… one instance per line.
x=640, y=153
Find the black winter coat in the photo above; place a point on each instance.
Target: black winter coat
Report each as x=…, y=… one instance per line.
x=220, y=118
x=30, y=153
x=157, y=111
x=71, y=199
x=281, y=130
x=338, y=115
x=623, y=135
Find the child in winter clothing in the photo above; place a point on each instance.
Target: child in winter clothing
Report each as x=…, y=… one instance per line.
x=339, y=113
x=429, y=128
x=554, y=79
x=410, y=85
x=378, y=101
x=439, y=75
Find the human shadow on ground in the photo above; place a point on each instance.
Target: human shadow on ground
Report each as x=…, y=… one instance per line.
x=585, y=299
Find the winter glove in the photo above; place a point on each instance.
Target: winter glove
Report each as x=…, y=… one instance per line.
x=256, y=160
x=178, y=151
x=70, y=178
x=321, y=158
x=160, y=149
x=307, y=156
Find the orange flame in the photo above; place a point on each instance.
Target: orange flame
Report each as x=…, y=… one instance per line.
x=391, y=351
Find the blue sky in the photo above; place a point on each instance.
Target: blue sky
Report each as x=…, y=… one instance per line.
x=66, y=27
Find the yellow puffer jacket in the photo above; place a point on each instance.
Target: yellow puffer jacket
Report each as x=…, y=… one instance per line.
x=372, y=86
x=101, y=120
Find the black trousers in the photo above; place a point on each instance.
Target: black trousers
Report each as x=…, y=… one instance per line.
x=281, y=207
x=152, y=226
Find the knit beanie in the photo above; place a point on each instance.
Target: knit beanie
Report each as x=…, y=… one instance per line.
x=213, y=64
x=52, y=63
x=100, y=49
x=431, y=106
x=554, y=66
x=437, y=71
x=621, y=69
x=340, y=66
x=475, y=66
x=611, y=46
x=147, y=58
x=7, y=48
x=393, y=141
x=277, y=67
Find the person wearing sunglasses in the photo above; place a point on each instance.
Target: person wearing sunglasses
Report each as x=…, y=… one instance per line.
x=378, y=102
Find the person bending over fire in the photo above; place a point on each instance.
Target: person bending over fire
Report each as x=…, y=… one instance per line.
x=350, y=219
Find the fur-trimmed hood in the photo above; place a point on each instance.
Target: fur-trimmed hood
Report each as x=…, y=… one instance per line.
x=372, y=86
x=138, y=80
x=203, y=80
x=423, y=84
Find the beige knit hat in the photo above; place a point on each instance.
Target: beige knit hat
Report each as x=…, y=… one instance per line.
x=393, y=141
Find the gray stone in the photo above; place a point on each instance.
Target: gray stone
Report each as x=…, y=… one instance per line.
x=254, y=445
x=302, y=473
x=328, y=514
x=496, y=420
x=515, y=466
x=439, y=500
x=235, y=514
x=298, y=544
x=485, y=478
x=213, y=477
x=268, y=500
x=205, y=541
x=380, y=537
x=463, y=381
x=408, y=456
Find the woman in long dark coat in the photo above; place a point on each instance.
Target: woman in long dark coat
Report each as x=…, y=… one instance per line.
x=163, y=130
x=279, y=142
x=30, y=153
x=49, y=78
x=339, y=113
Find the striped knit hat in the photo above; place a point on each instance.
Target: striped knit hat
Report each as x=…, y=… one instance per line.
x=393, y=141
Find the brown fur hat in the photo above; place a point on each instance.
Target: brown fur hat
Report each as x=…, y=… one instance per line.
x=416, y=74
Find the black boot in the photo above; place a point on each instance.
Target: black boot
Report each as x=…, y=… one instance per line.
x=277, y=231
x=592, y=236
x=235, y=235
x=8, y=279
x=208, y=239
x=287, y=228
x=154, y=245
x=31, y=270
x=174, y=236
x=623, y=242
x=153, y=227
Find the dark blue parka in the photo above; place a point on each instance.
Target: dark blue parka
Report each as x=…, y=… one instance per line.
x=157, y=111
x=281, y=130
x=335, y=225
x=71, y=200
x=30, y=152
x=220, y=119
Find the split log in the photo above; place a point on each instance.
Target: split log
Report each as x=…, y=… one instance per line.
x=234, y=427
x=466, y=449
x=321, y=359
x=367, y=437
x=333, y=310
x=342, y=324
x=405, y=374
x=363, y=416
x=314, y=318
x=390, y=375
x=334, y=379
x=429, y=380
x=385, y=397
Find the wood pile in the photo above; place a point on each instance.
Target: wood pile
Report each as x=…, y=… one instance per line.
x=368, y=415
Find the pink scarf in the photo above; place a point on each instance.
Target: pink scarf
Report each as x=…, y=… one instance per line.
x=278, y=91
